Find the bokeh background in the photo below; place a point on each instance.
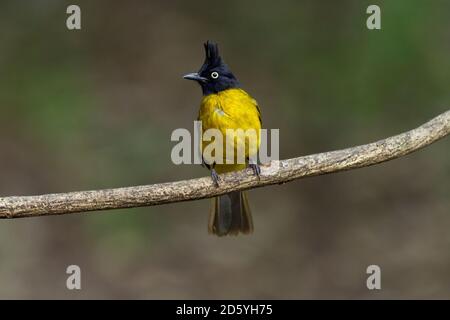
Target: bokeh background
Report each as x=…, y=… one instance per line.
x=95, y=109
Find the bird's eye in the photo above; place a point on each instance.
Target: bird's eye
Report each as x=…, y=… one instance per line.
x=214, y=75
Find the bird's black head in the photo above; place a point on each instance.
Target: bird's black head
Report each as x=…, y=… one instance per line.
x=214, y=76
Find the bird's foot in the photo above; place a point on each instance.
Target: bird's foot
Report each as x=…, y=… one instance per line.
x=215, y=177
x=256, y=169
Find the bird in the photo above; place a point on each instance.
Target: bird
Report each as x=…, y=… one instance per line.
x=225, y=105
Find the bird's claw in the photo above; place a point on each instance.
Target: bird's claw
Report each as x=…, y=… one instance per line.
x=256, y=169
x=215, y=177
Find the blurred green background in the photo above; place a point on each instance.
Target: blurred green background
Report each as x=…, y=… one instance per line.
x=95, y=109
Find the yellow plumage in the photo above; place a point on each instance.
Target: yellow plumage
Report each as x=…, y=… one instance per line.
x=231, y=109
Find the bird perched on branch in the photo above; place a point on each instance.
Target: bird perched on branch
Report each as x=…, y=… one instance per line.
x=224, y=106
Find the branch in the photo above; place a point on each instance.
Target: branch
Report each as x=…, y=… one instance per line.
x=276, y=173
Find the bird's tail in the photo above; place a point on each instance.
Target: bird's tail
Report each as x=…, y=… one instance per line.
x=230, y=214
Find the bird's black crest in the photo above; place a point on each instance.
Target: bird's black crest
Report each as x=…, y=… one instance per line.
x=212, y=54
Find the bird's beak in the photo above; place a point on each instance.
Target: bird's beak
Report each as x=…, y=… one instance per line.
x=195, y=76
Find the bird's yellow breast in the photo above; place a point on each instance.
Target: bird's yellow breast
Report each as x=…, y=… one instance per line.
x=231, y=109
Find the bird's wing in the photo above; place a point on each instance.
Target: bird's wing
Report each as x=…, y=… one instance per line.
x=259, y=111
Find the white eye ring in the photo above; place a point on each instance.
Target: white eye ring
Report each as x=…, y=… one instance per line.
x=214, y=75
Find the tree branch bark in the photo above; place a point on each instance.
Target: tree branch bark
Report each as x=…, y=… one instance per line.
x=276, y=173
